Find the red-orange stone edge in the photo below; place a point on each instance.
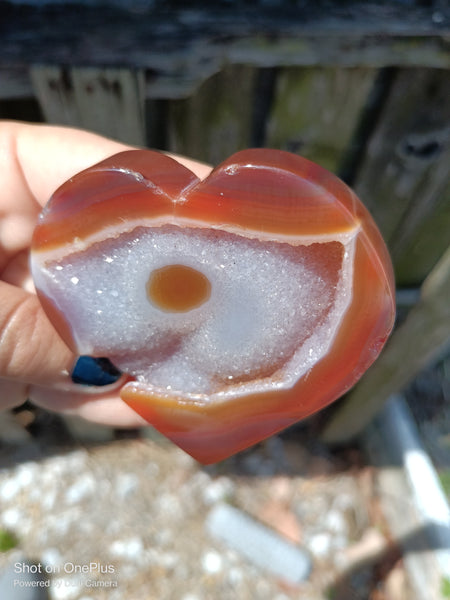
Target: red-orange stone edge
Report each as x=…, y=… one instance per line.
x=272, y=192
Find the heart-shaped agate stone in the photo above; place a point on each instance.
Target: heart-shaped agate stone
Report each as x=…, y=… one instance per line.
x=237, y=305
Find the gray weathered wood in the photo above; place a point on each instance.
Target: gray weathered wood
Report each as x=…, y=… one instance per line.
x=54, y=91
x=423, y=336
x=216, y=121
x=180, y=47
x=403, y=177
x=14, y=83
x=111, y=102
x=108, y=101
x=316, y=111
x=417, y=250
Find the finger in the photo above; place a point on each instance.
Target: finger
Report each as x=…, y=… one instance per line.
x=30, y=349
x=34, y=161
x=38, y=354
x=49, y=155
x=17, y=271
x=105, y=408
x=42, y=157
x=12, y=393
x=202, y=170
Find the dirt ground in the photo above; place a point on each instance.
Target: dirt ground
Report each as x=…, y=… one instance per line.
x=131, y=511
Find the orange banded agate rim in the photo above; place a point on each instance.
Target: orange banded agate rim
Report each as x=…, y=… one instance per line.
x=237, y=305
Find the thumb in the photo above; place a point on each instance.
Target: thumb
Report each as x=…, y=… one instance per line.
x=31, y=351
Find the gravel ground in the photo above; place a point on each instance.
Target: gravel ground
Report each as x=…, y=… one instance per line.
x=131, y=513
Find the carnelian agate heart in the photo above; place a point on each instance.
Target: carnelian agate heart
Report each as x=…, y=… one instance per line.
x=238, y=305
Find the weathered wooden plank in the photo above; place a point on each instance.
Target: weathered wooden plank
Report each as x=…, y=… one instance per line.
x=316, y=111
x=418, y=252
x=108, y=101
x=14, y=83
x=53, y=88
x=217, y=120
x=424, y=232
x=111, y=102
x=181, y=46
x=422, y=337
x=404, y=172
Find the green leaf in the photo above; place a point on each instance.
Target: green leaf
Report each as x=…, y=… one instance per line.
x=444, y=477
x=445, y=587
x=7, y=540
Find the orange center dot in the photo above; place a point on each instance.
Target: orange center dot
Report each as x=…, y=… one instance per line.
x=177, y=288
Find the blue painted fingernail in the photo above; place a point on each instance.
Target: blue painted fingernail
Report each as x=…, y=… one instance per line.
x=95, y=371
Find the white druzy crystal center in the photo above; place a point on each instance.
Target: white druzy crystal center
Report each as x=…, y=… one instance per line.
x=272, y=312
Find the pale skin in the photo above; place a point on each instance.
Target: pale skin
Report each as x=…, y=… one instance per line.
x=35, y=364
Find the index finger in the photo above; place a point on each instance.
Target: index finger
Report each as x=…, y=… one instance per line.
x=41, y=157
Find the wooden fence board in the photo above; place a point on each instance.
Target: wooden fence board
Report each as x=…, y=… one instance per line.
x=422, y=249
x=54, y=92
x=217, y=120
x=423, y=336
x=111, y=102
x=405, y=168
x=14, y=83
x=315, y=111
x=108, y=101
x=179, y=43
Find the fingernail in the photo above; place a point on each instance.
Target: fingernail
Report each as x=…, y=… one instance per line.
x=94, y=371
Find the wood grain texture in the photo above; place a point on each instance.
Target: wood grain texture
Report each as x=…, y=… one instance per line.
x=108, y=101
x=182, y=46
x=403, y=177
x=315, y=111
x=217, y=120
x=423, y=336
